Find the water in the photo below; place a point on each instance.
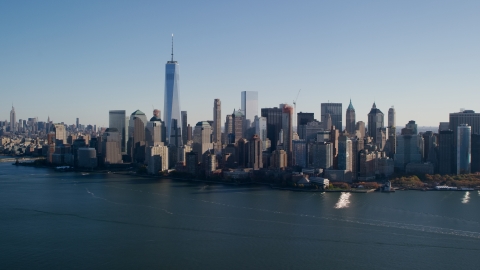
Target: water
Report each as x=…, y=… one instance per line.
x=96, y=221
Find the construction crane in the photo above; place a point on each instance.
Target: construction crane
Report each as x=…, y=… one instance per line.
x=295, y=108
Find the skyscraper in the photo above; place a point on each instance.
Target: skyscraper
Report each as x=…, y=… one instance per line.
x=287, y=127
x=350, y=119
x=391, y=117
x=238, y=120
x=468, y=117
x=261, y=130
x=274, y=125
x=463, y=149
x=111, y=153
x=445, y=152
x=172, y=102
x=255, y=153
x=12, y=120
x=335, y=111
x=184, y=127
x=117, y=119
x=217, y=121
x=228, y=134
x=375, y=120
x=249, y=107
x=344, y=153
x=201, y=138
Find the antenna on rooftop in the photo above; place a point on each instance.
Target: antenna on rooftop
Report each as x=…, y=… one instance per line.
x=172, y=47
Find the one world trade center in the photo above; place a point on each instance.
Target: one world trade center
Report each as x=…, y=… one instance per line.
x=172, y=116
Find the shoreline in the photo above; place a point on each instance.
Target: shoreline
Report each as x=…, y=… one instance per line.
x=196, y=180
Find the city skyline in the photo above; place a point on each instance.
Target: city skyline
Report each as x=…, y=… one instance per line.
x=412, y=57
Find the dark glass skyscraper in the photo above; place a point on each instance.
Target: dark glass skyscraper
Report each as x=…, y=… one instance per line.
x=335, y=111
x=375, y=120
x=172, y=102
x=117, y=119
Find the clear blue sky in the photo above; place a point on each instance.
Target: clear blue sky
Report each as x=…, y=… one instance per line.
x=71, y=59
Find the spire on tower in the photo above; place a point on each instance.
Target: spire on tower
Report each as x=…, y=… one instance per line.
x=172, y=47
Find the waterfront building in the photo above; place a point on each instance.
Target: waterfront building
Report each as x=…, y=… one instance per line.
x=201, y=138
x=468, y=117
x=255, y=153
x=335, y=112
x=357, y=146
x=274, y=125
x=321, y=155
x=210, y=163
x=464, y=132
x=334, y=134
x=87, y=158
x=173, y=118
x=111, y=150
x=408, y=150
x=249, y=108
x=157, y=157
x=350, y=119
x=118, y=119
x=138, y=145
x=278, y=159
x=445, y=152
x=299, y=153
x=429, y=146
x=375, y=120
x=420, y=168
x=475, y=150
x=191, y=162
x=217, y=130
x=184, y=127
x=344, y=153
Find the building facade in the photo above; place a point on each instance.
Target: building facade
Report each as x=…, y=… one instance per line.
x=172, y=118
x=335, y=111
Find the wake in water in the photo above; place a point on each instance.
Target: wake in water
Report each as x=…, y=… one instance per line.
x=343, y=201
x=147, y=206
x=466, y=198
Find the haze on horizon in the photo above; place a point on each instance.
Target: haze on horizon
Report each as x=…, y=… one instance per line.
x=81, y=59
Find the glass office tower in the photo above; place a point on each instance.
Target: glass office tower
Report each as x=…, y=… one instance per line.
x=172, y=116
x=464, y=132
x=335, y=111
x=118, y=119
x=249, y=106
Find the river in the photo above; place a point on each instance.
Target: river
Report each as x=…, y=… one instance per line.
x=96, y=221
